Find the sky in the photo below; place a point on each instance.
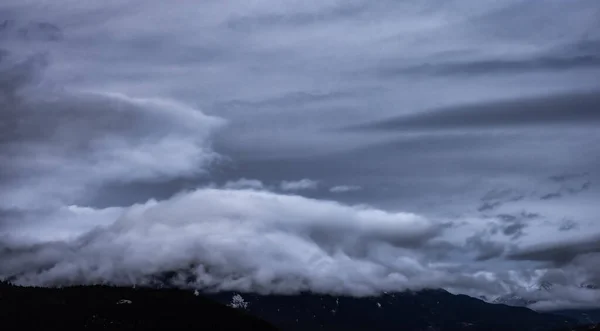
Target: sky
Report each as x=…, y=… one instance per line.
x=345, y=147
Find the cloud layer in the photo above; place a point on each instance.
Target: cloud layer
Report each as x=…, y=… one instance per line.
x=579, y=109
x=58, y=146
x=235, y=239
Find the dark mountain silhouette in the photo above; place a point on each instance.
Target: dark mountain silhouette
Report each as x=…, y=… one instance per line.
x=117, y=308
x=142, y=308
x=423, y=310
x=590, y=327
x=582, y=315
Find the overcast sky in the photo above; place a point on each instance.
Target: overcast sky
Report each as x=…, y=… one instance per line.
x=334, y=146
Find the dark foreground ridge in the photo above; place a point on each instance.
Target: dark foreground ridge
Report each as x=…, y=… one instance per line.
x=117, y=308
x=591, y=327
x=433, y=310
x=123, y=308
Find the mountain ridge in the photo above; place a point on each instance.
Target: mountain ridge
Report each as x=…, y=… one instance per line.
x=422, y=310
x=105, y=307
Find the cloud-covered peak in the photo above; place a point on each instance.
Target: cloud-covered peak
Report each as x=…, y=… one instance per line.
x=235, y=239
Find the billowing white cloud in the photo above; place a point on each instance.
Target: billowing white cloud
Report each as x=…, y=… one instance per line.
x=236, y=239
x=244, y=240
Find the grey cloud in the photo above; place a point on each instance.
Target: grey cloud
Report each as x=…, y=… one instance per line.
x=570, y=184
x=344, y=188
x=299, y=19
x=300, y=185
x=584, y=187
x=410, y=170
x=567, y=225
x=488, y=206
x=496, y=198
x=41, y=31
x=559, y=252
x=498, y=194
x=245, y=184
x=319, y=237
x=12, y=30
x=551, y=196
x=550, y=110
x=506, y=24
x=6, y=26
x=568, y=176
x=15, y=77
x=3, y=53
x=502, y=67
x=514, y=229
x=512, y=225
x=530, y=216
x=295, y=98
x=485, y=248
x=52, y=139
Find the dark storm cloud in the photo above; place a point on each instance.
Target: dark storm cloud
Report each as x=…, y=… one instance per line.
x=570, y=184
x=9, y=217
x=513, y=224
x=574, y=189
x=406, y=158
x=489, y=244
x=571, y=109
x=295, y=98
x=567, y=225
x=503, y=66
x=14, y=77
x=489, y=206
x=496, y=198
x=3, y=53
x=568, y=176
x=560, y=252
x=274, y=21
x=49, y=139
x=554, y=188
x=551, y=196
x=30, y=31
x=514, y=229
x=485, y=248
